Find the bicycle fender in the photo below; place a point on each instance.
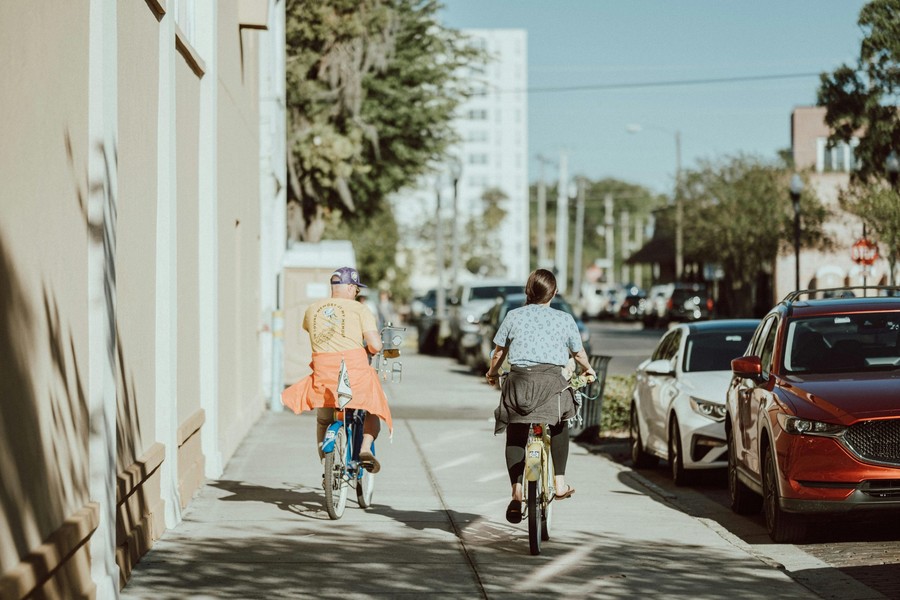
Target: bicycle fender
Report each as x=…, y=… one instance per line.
x=330, y=434
x=533, y=461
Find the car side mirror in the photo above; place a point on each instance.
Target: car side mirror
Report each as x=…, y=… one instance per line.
x=747, y=366
x=660, y=366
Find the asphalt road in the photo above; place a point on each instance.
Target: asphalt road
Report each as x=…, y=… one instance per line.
x=866, y=550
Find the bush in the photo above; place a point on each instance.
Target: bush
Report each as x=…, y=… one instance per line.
x=616, y=403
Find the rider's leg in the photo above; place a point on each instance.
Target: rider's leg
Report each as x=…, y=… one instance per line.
x=559, y=450
x=371, y=428
x=516, y=438
x=324, y=418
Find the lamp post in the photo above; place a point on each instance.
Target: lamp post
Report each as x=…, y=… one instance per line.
x=892, y=164
x=440, y=296
x=796, y=190
x=455, y=173
x=679, y=203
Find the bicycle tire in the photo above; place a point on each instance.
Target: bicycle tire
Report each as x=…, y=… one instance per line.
x=336, y=483
x=549, y=487
x=365, y=488
x=534, y=517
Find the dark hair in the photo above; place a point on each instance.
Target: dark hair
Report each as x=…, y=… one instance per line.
x=540, y=287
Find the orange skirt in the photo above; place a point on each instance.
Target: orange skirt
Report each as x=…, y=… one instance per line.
x=319, y=389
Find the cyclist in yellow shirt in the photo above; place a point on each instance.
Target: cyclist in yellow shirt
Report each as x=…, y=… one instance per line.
x=338, y=326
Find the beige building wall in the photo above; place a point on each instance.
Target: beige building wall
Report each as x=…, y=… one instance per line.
x=111, y=101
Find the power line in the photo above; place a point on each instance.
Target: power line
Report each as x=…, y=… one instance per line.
x=650, y=84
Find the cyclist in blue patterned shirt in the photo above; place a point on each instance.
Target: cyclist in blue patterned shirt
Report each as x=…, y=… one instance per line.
x=539, y=342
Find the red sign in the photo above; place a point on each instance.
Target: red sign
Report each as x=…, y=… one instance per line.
x=864, y=251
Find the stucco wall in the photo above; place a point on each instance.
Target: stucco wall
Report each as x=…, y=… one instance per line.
x=43, y=267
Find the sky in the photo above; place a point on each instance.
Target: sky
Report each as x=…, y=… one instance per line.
x=610, y=43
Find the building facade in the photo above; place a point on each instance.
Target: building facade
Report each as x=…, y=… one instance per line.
x=493, y=154
x=828, y=172
x=134, y=199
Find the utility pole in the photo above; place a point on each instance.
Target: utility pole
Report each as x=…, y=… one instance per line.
x=624, y=218
x=562, y=224
x=638, y=242
x=577, y=269
x=441, y=299
x=542, y=259
x=608, y=223
x=679, y=212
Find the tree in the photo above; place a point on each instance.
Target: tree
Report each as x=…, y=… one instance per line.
x=862, y=99
x=371, y=90
x=482, y=247
x=738, y=213
x=878, y=206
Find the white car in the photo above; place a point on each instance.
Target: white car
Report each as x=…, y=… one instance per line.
x=678, y=401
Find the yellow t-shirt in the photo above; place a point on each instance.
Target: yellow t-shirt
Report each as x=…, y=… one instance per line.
x=337, y=324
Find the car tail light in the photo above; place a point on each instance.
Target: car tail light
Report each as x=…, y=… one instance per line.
x=670, y=304
x=709, y=304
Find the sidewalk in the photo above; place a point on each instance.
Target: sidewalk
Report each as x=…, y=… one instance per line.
x=437, y=528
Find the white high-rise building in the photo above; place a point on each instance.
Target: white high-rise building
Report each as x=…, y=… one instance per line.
x=493, y=154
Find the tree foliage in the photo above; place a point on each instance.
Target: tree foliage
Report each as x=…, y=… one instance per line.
x=372, y=86
x=878, y=206
x=738, y=213
x=863, y=98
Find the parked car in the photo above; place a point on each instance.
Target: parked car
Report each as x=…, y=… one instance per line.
x=812, y=412
x=490, y=323
x=632, y=305
x=424, y=319
x=595, y=299
x=467, y=303
x=687, y=302
x=654, y=308
x=678, y=400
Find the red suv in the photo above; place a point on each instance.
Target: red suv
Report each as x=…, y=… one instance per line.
x=813, y=410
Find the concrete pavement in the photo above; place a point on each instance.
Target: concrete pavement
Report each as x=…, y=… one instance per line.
x=437, y=528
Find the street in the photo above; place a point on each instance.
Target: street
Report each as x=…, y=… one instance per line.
x=437, y=526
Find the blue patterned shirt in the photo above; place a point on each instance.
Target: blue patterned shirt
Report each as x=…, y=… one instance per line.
x=538, y=334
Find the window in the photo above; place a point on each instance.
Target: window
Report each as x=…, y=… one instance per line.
x=840, y=158
x=768, y=348
x=477, y=135
x=477, y=115
x=478, y=159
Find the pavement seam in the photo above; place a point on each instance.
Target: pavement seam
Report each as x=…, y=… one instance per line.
x=437, y=490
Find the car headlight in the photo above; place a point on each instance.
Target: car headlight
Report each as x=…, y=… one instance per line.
x=710, y=410
x=798, y=426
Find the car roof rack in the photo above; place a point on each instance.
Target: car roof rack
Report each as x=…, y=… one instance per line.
x=793, y=296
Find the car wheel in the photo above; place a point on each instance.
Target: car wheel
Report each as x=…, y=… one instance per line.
x=676, y=456
x=783, y=527
x=743, y=500
x=639, y=457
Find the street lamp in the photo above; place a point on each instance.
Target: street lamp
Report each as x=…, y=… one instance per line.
x=440, y=294
x=455, y=173
x=796, y=190
x=892, y=164
x=679, y=202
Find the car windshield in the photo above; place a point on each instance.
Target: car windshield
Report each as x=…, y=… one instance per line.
x=849, y=342
x=714, y=350
x=493, y=291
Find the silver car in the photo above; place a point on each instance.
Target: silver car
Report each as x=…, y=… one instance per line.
x=678, y=401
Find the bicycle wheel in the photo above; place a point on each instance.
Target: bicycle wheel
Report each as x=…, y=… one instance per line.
x=535, y=517
x=549, y=491
x=336, y=476
x=365, y=487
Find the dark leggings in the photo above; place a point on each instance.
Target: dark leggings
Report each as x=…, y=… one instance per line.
x=517, y=437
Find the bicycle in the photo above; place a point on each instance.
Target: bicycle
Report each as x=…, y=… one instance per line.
x=343, y=438
x=539, y=477
x=342, y=468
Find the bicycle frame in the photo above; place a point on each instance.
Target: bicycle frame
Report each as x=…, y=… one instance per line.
x=539, y=485
x=348, y=425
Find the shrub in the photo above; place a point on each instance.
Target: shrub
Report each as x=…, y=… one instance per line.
x=616, y=403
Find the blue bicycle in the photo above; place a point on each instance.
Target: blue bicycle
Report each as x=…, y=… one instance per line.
x=342, y=467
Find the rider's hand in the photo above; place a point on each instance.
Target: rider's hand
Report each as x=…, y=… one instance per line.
x=491, y=379
x=591, y=375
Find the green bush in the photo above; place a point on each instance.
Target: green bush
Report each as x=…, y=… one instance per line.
x=616, y=403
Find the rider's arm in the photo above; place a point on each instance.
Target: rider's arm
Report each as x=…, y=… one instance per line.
x=581, y=358
x=373, y=341
x=497, y=358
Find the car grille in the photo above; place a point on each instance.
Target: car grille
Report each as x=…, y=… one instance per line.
x=875, y=441
x=888, y=488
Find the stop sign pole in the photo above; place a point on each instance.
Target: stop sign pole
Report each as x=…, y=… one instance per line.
x=864, y=252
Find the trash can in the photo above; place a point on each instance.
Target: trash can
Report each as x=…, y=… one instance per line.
x=593, y=400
